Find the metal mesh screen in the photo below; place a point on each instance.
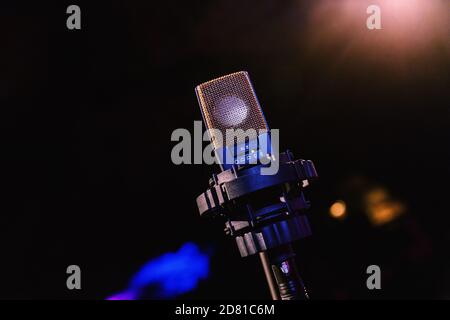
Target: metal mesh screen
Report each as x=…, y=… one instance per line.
x=229, y=102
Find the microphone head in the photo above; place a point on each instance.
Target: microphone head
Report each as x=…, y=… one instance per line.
x=230, y=102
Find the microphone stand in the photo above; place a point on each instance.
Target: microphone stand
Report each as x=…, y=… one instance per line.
x=282, y=275
x=265, y=214
x=267, y=266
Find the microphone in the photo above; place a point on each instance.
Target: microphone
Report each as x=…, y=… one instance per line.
x=231, y=110
x=263, y=211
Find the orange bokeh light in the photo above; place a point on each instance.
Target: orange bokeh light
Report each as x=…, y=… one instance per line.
x=338, y=209
x=381, y=208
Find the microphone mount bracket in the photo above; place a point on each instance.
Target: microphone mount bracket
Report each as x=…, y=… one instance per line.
x=261, y=211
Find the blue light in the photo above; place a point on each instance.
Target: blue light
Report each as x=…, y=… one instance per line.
x=172, y=274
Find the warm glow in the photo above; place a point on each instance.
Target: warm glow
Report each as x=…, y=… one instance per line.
x=380, y=208
x=409, y=28
x=338, y=209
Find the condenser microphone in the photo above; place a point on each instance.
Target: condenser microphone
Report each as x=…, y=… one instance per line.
x=263, y=213
x=233, y=116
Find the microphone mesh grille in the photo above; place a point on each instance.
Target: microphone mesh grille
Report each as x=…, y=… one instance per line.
x=229, y=102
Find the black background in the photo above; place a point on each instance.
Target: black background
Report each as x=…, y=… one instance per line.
x=87, y=115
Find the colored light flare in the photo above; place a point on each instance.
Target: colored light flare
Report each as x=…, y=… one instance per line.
x=171, y=274
x=409, y=29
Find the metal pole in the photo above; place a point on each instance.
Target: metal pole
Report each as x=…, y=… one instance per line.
x=273, y=287
x=290, y=284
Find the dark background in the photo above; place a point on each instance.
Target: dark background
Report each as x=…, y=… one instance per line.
x=86, y=119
